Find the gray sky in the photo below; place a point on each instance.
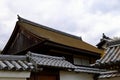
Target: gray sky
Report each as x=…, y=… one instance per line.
x=85, y=18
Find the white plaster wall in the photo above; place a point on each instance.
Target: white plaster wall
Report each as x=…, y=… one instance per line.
x=75, y=76
x=14, y=75
x=114, y=78
x=12, y=78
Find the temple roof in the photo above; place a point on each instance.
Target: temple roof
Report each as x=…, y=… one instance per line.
x=56, y=36
x=47, y=28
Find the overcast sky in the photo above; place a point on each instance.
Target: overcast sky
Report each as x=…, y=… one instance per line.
x=85, y=18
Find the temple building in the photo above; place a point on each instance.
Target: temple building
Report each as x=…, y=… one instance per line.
x=37, y=52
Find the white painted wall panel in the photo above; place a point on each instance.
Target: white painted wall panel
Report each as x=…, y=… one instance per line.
x=12, y=78
x=114, y=78
x=14, y=74
x=75, y=76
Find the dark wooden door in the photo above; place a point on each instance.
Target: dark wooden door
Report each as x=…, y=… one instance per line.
x=37, y=76
x=46, y=77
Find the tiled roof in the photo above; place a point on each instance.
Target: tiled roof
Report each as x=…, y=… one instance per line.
x=114, y=42
x=59, y=62
x=109, y=74
x=111, y=57
x=88, y=70
x=34, y=61
x=50, y=61
x=13, y=62
x=110, y=60
x=103, y=42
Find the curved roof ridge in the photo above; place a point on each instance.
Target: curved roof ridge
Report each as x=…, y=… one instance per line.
x=12, y=57
x=48, y=28
x=31, y=54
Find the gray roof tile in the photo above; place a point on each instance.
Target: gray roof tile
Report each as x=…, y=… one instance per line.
x=14, y=62
x=89, y=70
x=52, y=61
x=31, y=61
x=59, y=62
x=109, y=74
x=111, y=56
